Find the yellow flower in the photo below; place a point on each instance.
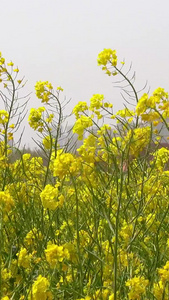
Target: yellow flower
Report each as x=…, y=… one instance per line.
x=159, y=289
x=59, y=88
x=4, y=116
x=124, y=113
x=43, y=90
x=111, y=297
x=96, y=102
x=142, y=104
x=33, y=236
x=160, y=92
x=108, y=105
x=2, y=61
x=137, y=287
x=10, y=64
x=47, y=142
x=107, y=56
x=167, y=243
x=16, y=70
x=35, y=118
x=65, y=164
x=10, y=136
x=55, y=254
x=164, y=272
x=50, y=118
x=24, y=259
x=80, y=107
x=114, y=73
x=40, y=289
x=161, y=158
x=49, y=197
x=81, y=124
x=6, y=201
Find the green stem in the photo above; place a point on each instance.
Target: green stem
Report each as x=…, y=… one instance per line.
x=132, y=86
x=78, y=237
x=6, y=128
x=117, y=230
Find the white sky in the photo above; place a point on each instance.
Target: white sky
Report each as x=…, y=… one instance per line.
x=59, y=41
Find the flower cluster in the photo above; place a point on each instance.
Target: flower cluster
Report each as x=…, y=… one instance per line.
x=88, y=224
x=24, y=259
x=137, y=286
x=55, y=254
x=50, y=197
x=80, y=107
x=108, y=57
x=65, y=164
x=40, y=289
x=43, y=90
x=4, y=117
x=6, y=201
x=35, y=118
x=81, y=124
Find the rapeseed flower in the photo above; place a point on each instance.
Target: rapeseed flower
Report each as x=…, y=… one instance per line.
x=55, y=254
x=49, y=197
x=137, y=286
x=35, y=118
x=40, y=289
x=6, y=201
x=81, y=124
x=24, y=258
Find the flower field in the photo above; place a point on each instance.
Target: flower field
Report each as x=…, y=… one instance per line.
x=93, y=223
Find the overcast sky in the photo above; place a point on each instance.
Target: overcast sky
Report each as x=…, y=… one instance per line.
x=59, y=41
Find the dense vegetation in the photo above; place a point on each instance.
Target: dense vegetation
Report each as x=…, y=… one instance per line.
x=91, y=224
